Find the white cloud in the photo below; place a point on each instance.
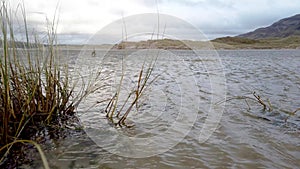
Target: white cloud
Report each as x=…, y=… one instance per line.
x=214, y=17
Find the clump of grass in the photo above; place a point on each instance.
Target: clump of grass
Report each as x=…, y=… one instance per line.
x=116, y=111
x=33, y=94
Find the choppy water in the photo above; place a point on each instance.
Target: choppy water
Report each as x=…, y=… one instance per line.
x=244, y=138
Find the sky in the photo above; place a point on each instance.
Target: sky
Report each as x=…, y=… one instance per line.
x=78, y=20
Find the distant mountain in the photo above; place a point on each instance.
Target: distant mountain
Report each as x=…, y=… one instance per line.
x=283, y=28
x=283, y=34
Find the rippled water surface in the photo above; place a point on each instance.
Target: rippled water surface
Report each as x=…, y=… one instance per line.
x=246, y=136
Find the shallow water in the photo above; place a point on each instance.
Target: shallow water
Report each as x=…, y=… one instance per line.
x=244, y=138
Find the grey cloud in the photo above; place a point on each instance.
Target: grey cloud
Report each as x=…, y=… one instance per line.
x=145, y=25
x=73, y=38
x=214, y=17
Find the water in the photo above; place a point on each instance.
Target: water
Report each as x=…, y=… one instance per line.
x=244, y=138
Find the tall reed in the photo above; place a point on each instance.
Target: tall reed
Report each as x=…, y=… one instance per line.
x=34, y=89
x=119, y=111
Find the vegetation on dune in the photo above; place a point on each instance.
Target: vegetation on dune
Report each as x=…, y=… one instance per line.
x=235, y=40
x=153, y=44
x=291, y=42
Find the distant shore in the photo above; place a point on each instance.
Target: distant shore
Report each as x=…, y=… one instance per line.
x=229, y=43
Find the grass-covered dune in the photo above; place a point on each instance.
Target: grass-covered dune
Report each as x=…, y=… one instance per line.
x=155, y=44
x=292, y=42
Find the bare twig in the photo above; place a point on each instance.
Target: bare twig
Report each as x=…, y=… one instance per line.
x=259, y=100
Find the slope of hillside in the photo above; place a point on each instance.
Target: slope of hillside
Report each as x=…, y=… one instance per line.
x=283, y=28
x=291, y=42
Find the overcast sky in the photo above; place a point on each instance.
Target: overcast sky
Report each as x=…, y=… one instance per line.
x=79, y=19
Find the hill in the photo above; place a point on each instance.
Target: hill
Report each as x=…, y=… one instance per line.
x=281, y=29
x=291, y=42
x=152, y=44
x=283, y=34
